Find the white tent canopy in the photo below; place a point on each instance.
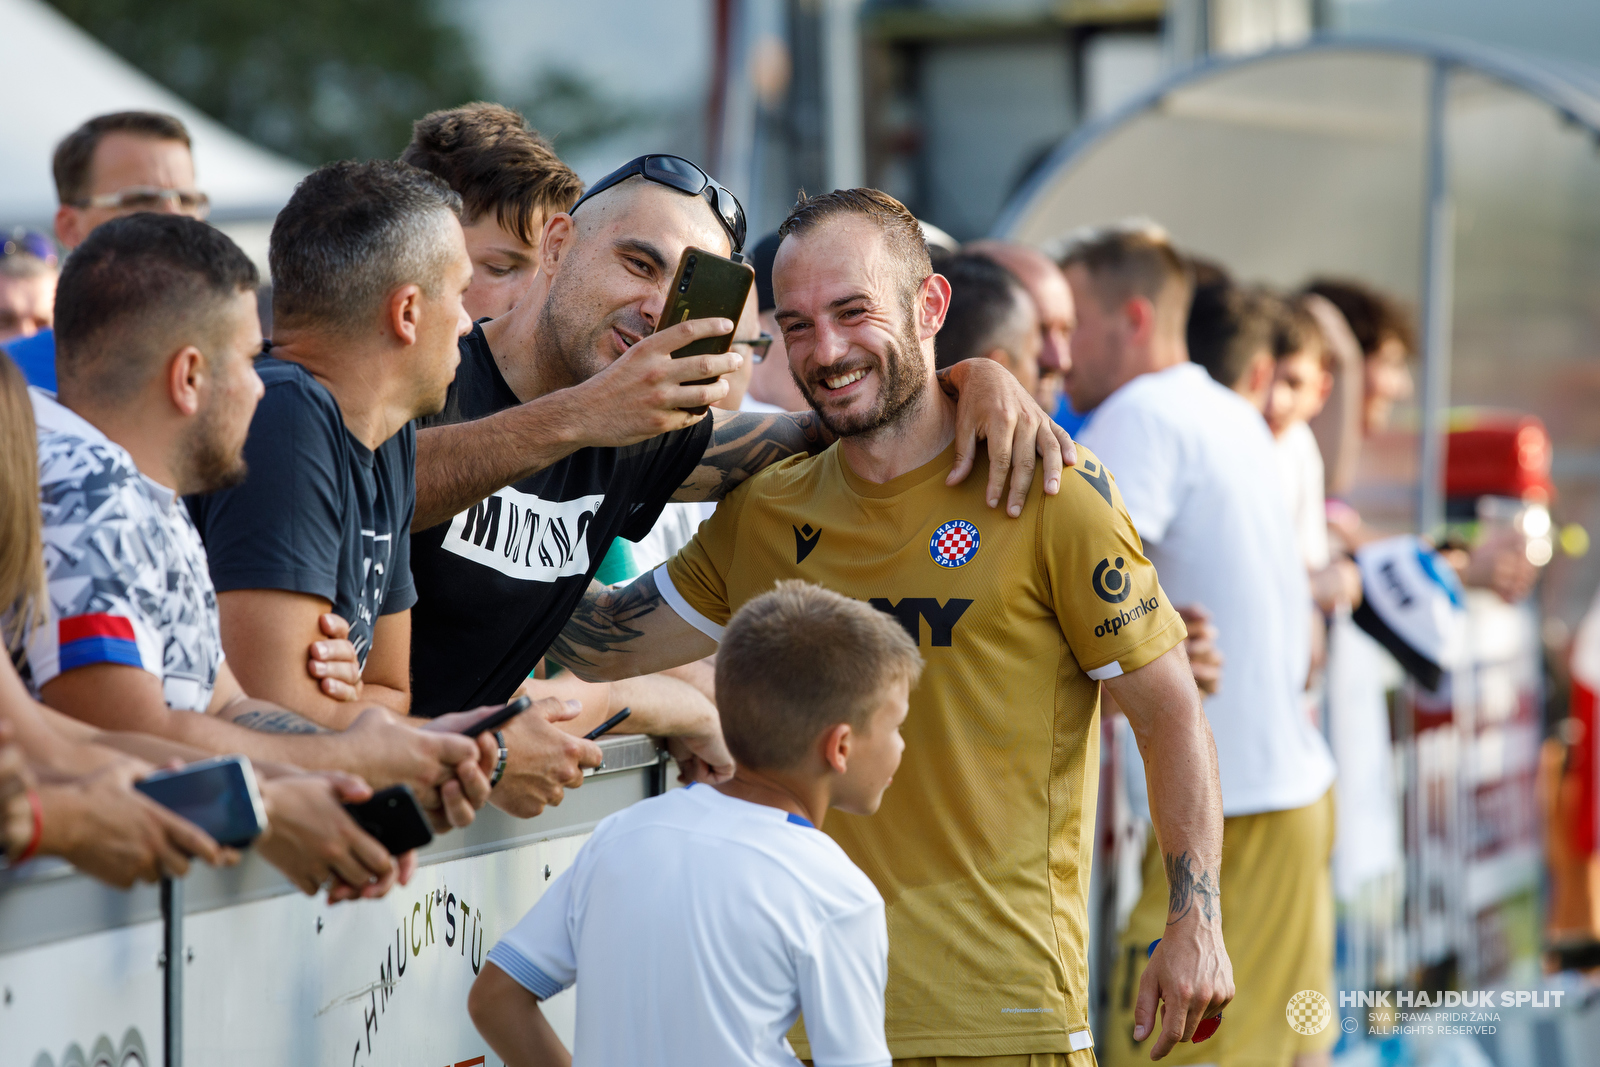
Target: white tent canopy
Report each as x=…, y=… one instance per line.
x=1464, y=180
x=61, y=76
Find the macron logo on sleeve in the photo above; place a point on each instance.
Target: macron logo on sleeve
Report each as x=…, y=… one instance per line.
x=90, y=639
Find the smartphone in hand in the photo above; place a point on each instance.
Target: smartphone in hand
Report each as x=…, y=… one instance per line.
x=706, y=286
x=218, y=795
x=394, y=817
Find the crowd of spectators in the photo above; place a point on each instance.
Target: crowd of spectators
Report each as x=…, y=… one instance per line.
x=465, y=467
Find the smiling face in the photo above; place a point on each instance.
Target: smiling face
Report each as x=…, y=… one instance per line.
x=610, y=267
x=859, y=332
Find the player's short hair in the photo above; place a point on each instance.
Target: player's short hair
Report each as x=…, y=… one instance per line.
x=497, y=162
x=1374, y=317
x=134, y=284
x=1134, y=259
x=1228, y=326
x=351, y=234
x=75, y=154
x=985, y=301
x=901, y=232
x=799, y=660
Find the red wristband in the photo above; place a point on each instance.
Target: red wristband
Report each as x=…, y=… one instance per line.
x=38, y=828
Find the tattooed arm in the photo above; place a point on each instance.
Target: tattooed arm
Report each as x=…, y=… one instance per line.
x=625, y=631
x=1190, y=969
x=743, y=443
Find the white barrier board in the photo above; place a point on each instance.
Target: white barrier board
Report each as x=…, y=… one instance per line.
x=92, y=1001
x=290, y=980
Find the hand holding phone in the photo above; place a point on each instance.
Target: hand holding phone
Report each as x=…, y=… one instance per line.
x=394, y=818
x=218, y=795
x=706, y=286
x=486, y=719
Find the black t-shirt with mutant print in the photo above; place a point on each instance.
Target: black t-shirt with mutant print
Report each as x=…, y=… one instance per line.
x=496, y=583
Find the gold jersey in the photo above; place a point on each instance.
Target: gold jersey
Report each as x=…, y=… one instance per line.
x=983, y=844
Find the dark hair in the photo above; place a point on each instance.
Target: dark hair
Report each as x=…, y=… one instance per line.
x=900, y=229
x=1294, y=328
x=497, y=162
x=132, y=283
x=1134, y=260
x=1374, y=317
x=761, y=258
x=351, y=234
x=984, y=301
x=1228, y=326
x=799, y=660
x=75, y=154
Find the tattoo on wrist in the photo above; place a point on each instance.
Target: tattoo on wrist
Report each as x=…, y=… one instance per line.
x=278, y=721
x=1191, y=887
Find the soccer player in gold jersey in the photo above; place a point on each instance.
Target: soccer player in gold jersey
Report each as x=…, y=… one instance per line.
x=982, y=847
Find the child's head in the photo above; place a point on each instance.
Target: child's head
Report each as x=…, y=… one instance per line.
x=812, y=682
x=1302, y=377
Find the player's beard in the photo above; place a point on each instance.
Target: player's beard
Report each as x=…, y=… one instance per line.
x=569, y=341
x=902, y=373
x=211, y=461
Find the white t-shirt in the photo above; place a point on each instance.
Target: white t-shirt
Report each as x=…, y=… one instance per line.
x=1199, y=476
x=128, y=579
x=1305, y=491
x=702, y=926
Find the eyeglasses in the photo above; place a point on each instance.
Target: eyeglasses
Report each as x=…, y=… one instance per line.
x=759, y=346
x=152, y=198
x=678, y=173
x=25, y=242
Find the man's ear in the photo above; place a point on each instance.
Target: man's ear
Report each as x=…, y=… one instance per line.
x=556, y=240
x=403, y=313
x=69, y=226
x=1139, y=313
x=1002, y=357
x=835, y=745
x=933, y=304
x=187, y=377
x=1257, y=378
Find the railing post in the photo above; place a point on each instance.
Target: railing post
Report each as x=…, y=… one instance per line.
x=172, y=982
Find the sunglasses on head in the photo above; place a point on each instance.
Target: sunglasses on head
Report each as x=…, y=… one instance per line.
x=678, y=173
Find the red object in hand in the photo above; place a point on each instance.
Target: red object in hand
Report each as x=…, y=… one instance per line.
x=1207, y=1027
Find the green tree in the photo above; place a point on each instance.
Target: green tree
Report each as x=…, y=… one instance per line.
x=315, y=79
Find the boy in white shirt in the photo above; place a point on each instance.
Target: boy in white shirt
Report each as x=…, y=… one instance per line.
x=706, y=920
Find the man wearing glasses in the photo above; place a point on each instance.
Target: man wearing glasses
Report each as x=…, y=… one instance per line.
x=563, y=430
x=113, y=165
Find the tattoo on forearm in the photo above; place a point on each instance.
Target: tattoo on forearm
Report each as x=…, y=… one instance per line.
x=1191, y=887
x=601, y=622
x=743, y=444
x=278, y=721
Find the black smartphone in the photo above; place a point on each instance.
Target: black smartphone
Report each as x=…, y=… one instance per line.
x=394, y=817
x=706, y=286
x=607, y=726
x=501, y=715
x=218, y=795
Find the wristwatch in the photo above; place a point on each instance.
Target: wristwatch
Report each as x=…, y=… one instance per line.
x=500, y=764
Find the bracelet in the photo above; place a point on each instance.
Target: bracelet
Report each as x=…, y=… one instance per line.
x=38, y=828
x=500, y=767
